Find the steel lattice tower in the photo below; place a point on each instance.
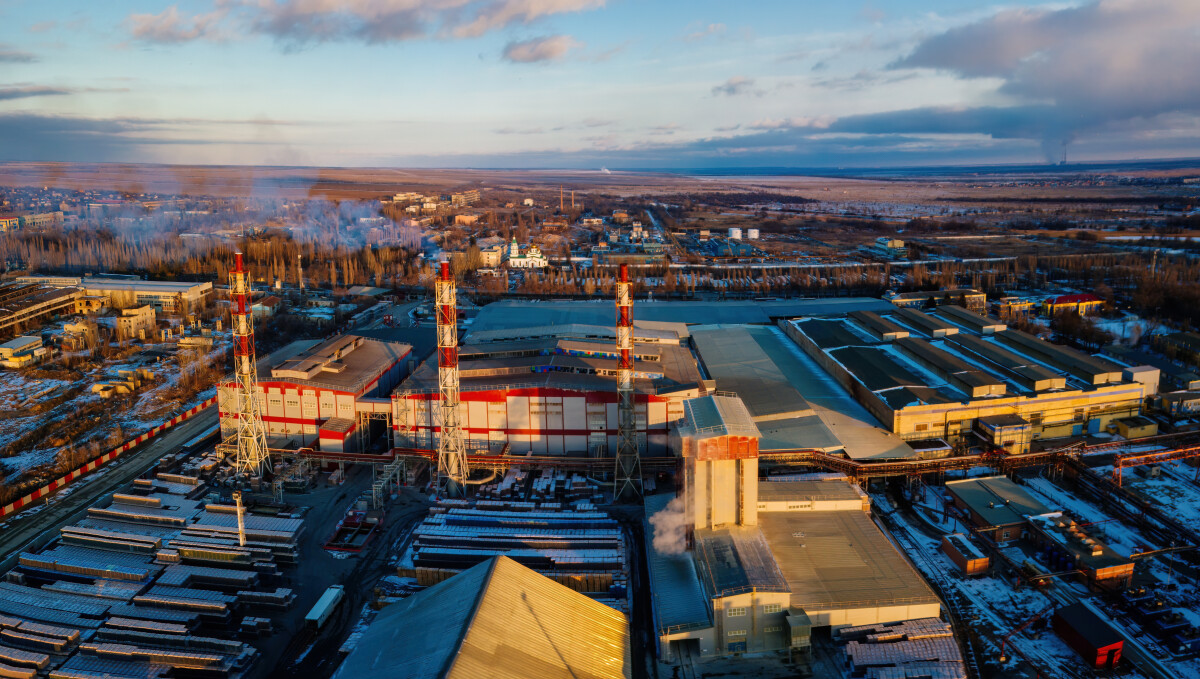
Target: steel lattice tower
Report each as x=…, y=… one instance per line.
x=452, y=452
x=629, y=465
x=252, y=452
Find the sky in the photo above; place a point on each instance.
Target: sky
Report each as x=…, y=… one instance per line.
x=622, y=84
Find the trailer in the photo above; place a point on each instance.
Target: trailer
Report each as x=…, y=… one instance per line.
x=324, y=607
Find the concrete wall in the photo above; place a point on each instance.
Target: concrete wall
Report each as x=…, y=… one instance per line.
x=867, y=615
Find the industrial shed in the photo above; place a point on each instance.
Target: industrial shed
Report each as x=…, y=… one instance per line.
x=1090, y=636
x=498, y=619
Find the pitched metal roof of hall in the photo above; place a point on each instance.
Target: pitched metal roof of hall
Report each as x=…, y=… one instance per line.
x=497, y=619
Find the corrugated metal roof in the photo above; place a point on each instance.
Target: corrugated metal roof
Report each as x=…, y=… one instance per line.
x=679, y=599
x=498, y=619
x=840, y=559
x=717, y=415
x=997, y=500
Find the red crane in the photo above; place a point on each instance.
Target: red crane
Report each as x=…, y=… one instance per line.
x=1004, y=642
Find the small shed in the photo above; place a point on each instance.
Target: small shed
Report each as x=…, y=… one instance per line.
x=1091, y=637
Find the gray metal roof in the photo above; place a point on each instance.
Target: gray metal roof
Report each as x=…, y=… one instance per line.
x=514, y=314
x=733, y=357
x=679, y=600
x=497, y=619
x=825, y=489
x=840, y=559
x=996, y=499
x=717, y=415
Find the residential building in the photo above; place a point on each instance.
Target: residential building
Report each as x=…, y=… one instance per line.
x=1084, y=304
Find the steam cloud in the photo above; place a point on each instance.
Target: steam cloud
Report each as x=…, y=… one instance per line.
x=670, y=528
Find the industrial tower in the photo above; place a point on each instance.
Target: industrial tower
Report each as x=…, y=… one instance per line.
x=452, y=452
x=628, y=480
x=252, y=452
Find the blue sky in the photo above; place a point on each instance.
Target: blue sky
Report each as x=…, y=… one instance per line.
x=587, y=83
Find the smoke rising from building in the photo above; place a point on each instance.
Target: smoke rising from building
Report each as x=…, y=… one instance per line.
x=670, y=528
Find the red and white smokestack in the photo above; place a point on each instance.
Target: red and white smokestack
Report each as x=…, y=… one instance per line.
x=628, y=478
x=447, y=319
x=243, y=324
x=624, y=331
x=252, y=452
x=452, y=451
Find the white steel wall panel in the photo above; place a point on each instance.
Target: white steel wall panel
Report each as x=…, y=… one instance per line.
x=497, y=415
x=574, y=413
x=657, y=413
x=518, y=412
x=328, y=407
x=477, y=416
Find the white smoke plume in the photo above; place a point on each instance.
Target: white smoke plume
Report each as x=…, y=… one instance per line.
x=670, y=528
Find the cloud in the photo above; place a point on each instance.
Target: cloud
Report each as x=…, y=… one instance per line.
x=12, y=56
x=297, y=23
x=26, y=92
x=736, y=86
x=598, y=122
x=169, y=26
x=705, y=32
x=534, y=50
x=862, y=80
x=801, y=123
x=1071, y=71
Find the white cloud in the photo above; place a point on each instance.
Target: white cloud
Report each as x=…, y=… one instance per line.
x=548, y=48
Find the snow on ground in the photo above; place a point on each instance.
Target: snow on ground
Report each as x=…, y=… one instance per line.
x=994, y=606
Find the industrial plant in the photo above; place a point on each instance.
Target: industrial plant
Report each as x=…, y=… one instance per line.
x=595, y=488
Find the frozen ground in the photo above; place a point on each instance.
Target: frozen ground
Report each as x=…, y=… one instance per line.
x=993, y=606
x=21, y=393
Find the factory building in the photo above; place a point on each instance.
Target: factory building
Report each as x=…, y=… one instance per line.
x=498, y=619
x=552, y=389
x=974, y=300
x=743, y=566
x=995, y=506
x=327, y=393
x=169, y=297
x=984, y=384
x=28, y=305
x=1064, y=545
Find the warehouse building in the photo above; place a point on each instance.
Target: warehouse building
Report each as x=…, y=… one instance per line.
x=328, y=393
x=168, y=297
x=1089, y=634
x=971, y=386
x=1064, y=545
x=552, y=389
x=498, y=619
x=768, y=372
x=24, y=306
x=995, y=506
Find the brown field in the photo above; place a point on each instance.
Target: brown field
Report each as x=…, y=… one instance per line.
x=366, y=183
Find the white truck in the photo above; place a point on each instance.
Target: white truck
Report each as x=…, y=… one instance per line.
x=325, y=607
